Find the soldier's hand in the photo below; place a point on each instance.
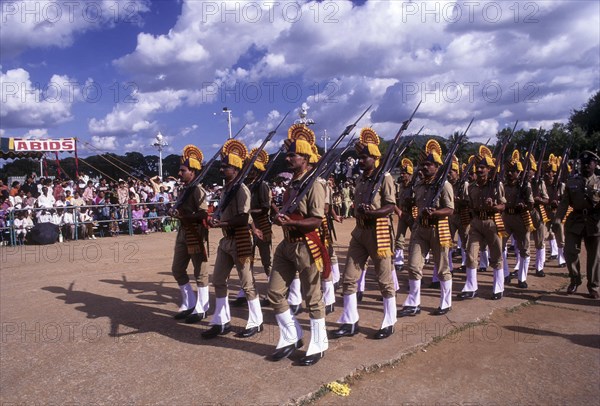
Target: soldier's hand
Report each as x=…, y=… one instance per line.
x=259, y=234
x=489, y=202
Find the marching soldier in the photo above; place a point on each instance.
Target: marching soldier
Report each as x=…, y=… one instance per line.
x=329, y=283
x=486, y=201
x=431, y=232
x=516, y=216
x=260, y=205
x=191, y=242
x=556, y=230
x=235, y=248
x=459, y=221
x=370, y=239
x=404, y=210
x=582, y=192
x=301, y=252
x=538, y=217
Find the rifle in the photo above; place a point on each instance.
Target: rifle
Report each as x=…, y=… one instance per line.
x=389, y=160
x=198, y=179
x=499, y=154
x=563, y=164
x=263, y=175
x=403, y=149
x=334, y=158
x=465, y=174
x=239, y=179
x=540, y=161
x=300, y=190
x=531, y=148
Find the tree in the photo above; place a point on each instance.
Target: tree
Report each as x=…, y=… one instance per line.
x=588, y=118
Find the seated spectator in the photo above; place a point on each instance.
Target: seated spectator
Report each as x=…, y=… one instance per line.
x=20, y=226
x=153, y=220
x=139, y=225
x=68, y=224
x=87, y=224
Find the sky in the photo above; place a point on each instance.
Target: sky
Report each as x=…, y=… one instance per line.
x=115, y=73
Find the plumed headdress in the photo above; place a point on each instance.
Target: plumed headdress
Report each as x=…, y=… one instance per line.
x=261, y=160
x=314, y=158
x=300, y=140
x=553, y=163
x=455, y=164
x=192, y=157
x=433, y=152
x=533, y=164
x=515, y=161
x=234, y=153
x=485, y=157
x=406, y=165
x=368, y=142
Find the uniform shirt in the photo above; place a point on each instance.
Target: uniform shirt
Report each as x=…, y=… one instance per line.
x=313, y=203
x=424, y=192
x=515, y=196
x=385, y=195
x=582, y=193
x=403, y=194
x=195, y=202
x=238, y=205
x=476, y=195
x=539, y=190
x=555, y=192
x=261, y=197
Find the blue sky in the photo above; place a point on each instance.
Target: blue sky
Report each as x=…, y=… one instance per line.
x=114, y=73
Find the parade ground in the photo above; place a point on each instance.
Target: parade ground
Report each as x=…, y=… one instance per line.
x=91, y=322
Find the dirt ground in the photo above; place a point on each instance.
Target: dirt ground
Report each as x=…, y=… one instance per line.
x=90, y=322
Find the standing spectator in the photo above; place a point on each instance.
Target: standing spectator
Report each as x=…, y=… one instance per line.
x=14, y=191
x=88, y=193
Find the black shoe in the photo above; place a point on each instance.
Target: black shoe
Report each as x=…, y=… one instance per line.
x=359, y=297
x=434, y=285
x=238, y=302
x=409, y=311
x=467, y=295
x=572, y=288
x=346, y=330
x=522, y=285
x=295, y=309
x=265, y=302
x=496, y=296
x=593, y=295
x=217, y=330
x=384, y=333
x=380, y=299
x=461, y=269
x=309, y=360
x=513, y=274
x=482, y=269
x=329, y=309
x=194, y=318
x=336, y=286
x=441, y=312
x=507, y=279
x=286, y=351
x=551, y=257
x=249, y=332
x=540, y=273
x=183, y=314
x=562, y=265
x=398, y=268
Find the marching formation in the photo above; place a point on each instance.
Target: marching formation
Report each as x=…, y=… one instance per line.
x=495, y=197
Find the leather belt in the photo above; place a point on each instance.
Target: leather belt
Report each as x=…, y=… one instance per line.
x=366, y=223
x=513, y=210
x=484, y=215
x=292, y=236
x=586, y=212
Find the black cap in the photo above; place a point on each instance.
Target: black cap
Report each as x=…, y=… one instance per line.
x=587, y=156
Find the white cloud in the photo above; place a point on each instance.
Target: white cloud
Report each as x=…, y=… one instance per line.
x=36, y=133
x=25, y=104
x=55, y=23
x=105, y=143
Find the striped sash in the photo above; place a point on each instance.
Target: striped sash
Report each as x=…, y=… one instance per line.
x=415, y=212
x=569, y=210
x=465, y=216
x=543, y=213
x=243, y=244
x=526, y=216
x=384, y=238
x=264, y=224
x=444, y=232
x=194, y=240
x=500, y=229
x=326, y=233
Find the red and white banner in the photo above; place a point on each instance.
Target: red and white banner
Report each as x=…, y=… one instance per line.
x=49, y=145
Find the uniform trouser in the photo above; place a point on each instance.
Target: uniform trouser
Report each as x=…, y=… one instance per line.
x=226, y=260
x=403, y=226
x=363, y=245
x=289, y=258
x=422, y=240
x=334, y=261
x=265, y=251
x=483, y=233
x=572, y=251
x=181, y=259
x=539, y=234
x=456, y=226
x=513, y=223
x=557, y=232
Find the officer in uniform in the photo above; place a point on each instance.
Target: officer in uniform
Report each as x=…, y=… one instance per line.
x=538, y=217
x=582, y=192
x=486, y=201
x=235, y=248
x=404, y=210
x=371, y=238
x=191, y=241
x=300, y=252
x=516, y=216
x=458, y=225
x=431, y=232
x=556, y=230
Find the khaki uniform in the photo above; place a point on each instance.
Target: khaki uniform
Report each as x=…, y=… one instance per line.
x=181, y=258
x=293, y=256
x=261, y=199
x=583, y=194
x=512, y=216
x=426, y=237
x=555, y=230
x=227, y=251
x=405, y=221
x=539, y=190
x=456, y=225
x=363, y=242
x=482, y=229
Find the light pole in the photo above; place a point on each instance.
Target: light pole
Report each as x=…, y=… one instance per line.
x=325, y=138
x=228, y=112
x=159, y=144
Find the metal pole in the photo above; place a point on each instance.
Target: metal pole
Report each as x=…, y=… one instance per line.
x=229, y=122
x=160, y=172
